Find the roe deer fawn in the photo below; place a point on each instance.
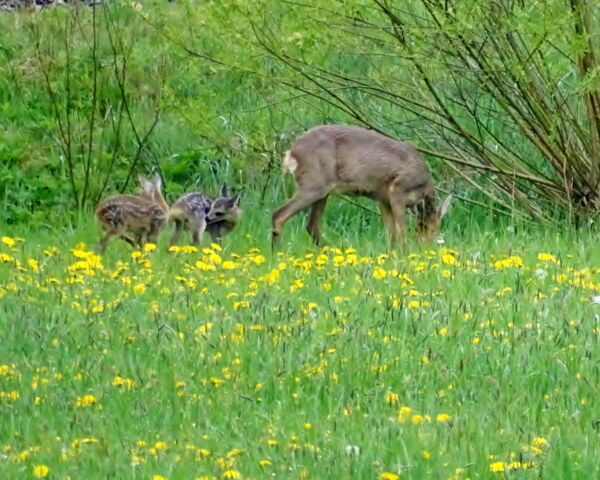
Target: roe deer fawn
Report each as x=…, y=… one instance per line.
x=200, y=212
x=143, y=215
x=343, y=159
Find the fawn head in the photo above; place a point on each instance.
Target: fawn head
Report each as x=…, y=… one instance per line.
x=224, y=208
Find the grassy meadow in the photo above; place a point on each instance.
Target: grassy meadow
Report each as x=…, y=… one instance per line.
x=475, y=357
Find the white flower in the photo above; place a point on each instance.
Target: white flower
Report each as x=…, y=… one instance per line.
x=440, y=240
x=541, y=273
x=352, y=450
x=596, y=299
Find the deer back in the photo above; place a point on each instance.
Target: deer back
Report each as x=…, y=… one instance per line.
x=191, y=206
x=129, y=212
x=354, y=160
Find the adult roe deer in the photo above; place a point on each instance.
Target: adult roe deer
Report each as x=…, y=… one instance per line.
x=143, y=215
x=200, y=212
x=343, y=159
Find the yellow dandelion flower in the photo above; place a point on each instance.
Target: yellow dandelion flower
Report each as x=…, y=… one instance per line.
x=265, y=463
x=33, y=264
x=392, y=398
x=86, y=401
x=149, y=247
x=513, y=261
x=4, y=258
x=232, y=474
x=547, y=257
x=449, y=259
x=539, y=441
x=273, y=277
x=497, y=467
x=443, y=417
x=426, y=455
x=200, y=265
x=139, y=288
x=389, y=476
x=39, y=471
x=379, y=273
x=8, y=241
x=235, y=452
x=417, y=419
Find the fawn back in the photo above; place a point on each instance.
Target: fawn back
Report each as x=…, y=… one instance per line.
x=342, y=159
x=143, y=215
x=200, y=212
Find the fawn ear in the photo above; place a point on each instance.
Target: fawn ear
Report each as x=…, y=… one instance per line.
x=157, y=181
x=445, y=206
x=223, y=192
x=146, y=184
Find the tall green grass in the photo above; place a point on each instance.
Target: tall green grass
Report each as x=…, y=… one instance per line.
x=455, y=361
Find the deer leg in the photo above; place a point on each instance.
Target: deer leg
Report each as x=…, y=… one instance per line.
x=398, y=207
x=314, y=222
x=300, y=200
x=115, y=231
x=154, y=229
x=104, y=241
x=197, y=227
x=388, y=218
x=176, y=233
x=129, y=240
x=216, y=232
x=138, y=239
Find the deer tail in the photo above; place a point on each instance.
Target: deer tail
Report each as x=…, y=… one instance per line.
x=176, y=213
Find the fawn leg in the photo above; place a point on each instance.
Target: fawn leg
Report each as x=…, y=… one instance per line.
x=176, y=233
x=104, y=241
x=198, y=227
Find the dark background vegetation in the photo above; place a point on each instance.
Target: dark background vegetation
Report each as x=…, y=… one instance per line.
x=503, y=97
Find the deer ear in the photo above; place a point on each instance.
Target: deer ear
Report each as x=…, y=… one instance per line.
x=236, y=200
x=145, y=183
x=156, y=180
x=445, y=206
x=223, y=192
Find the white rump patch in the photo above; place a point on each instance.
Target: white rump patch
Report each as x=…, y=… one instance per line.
x=290, y=164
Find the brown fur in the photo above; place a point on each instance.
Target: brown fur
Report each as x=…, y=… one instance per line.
x=200, y=212
x=143, y=215
x=341, y=159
